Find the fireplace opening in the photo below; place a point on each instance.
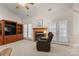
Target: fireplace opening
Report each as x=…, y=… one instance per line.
x=39, y=35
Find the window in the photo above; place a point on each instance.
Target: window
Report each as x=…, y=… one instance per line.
x=29, y=31
x=53, y=28
x=63, y=31
x=60, y=31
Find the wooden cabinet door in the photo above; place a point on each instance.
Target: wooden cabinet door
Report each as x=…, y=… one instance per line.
x=19, y=37
x=9, y=39
x=1, y=40
x=6, y=39
x=1, y=34
x=13, y=38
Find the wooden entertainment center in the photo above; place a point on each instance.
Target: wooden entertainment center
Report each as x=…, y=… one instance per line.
x=10, y=31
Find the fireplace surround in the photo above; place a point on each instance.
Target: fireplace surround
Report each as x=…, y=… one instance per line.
x=39, y=32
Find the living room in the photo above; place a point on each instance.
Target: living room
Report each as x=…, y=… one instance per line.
x=34, y=20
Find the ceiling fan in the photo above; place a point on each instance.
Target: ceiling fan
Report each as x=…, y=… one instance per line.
x=25, y=5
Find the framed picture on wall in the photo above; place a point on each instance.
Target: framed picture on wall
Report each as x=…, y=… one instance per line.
x=40, y=22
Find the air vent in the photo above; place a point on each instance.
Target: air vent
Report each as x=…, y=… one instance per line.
x=49, y=9
x=76, y=10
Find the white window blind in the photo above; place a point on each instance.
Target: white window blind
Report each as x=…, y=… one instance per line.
x=63, y=31
x=60, y=31
x=25, y=30
x=52, y=28
x=29, y=31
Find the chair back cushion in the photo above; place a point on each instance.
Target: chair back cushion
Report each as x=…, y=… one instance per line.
x=50, y=36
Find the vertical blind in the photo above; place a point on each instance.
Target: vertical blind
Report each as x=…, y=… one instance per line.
x=52, y=28
x=60, y=31
x=28, y=31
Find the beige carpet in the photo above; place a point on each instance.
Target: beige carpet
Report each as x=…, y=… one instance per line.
x=28, y=48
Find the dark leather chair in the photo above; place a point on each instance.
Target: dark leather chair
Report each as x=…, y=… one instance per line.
x=43, y=44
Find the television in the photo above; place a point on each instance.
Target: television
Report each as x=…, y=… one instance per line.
x=10, y=28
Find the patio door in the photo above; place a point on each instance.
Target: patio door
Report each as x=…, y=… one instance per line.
x=53, y=28
x=25, y=31
x=60, y=31
x=63, y=32
x=28, y=31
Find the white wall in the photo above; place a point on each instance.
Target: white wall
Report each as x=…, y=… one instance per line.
x=8, y=15
x=76, y=23
x=75, y=41
x=50, y=17
x=75, y=37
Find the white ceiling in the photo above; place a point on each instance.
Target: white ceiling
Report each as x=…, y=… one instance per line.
x=36, y=9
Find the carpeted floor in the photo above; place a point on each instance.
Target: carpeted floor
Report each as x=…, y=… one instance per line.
x=28, y=48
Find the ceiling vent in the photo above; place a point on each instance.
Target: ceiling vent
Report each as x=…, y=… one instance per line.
x=49, y=9
x=75, y=9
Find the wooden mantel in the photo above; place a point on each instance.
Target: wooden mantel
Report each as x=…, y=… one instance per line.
x=42, y=29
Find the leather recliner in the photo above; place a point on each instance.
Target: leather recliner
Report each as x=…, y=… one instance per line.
x=43, y=44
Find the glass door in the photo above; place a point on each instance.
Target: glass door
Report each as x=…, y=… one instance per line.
x=25, y=31
x=52, y=28
x=63, y=32
x=29, y=31
x=60, y=31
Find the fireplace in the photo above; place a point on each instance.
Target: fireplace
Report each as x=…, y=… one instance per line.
x=39, y=32
x=39, y=35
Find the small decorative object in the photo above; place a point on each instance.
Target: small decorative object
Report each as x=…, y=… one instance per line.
x=40, y=23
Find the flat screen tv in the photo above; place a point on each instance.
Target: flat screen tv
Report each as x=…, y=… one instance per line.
x=10, y=28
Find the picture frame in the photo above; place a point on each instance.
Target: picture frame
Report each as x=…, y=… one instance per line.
x=40, y=22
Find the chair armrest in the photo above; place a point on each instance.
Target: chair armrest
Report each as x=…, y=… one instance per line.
x=44, y=38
